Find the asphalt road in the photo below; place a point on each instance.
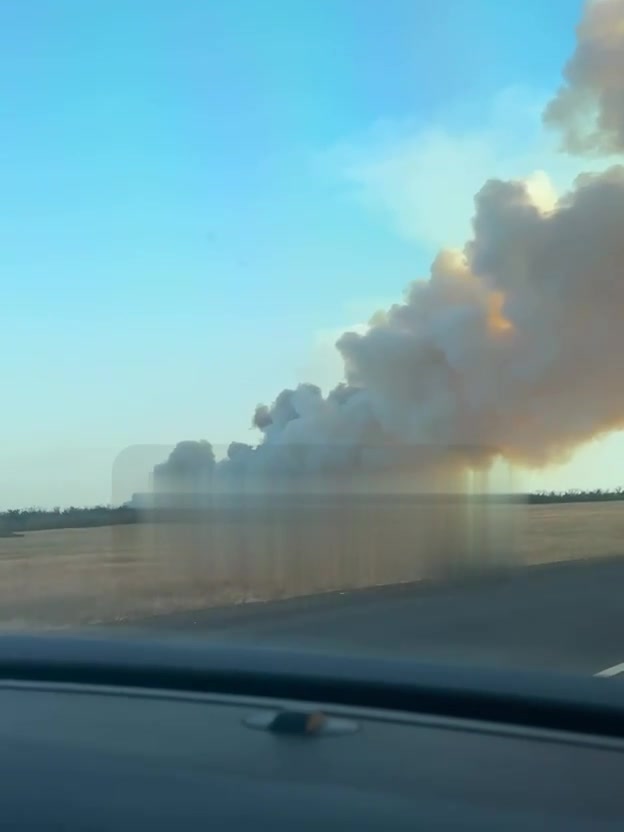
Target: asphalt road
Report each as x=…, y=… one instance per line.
x=567, y=616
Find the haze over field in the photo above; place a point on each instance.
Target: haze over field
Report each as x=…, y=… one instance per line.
x=66, y=577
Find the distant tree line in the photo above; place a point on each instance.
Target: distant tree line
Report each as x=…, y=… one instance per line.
x=576, y=495
x=19, y=520
x=16, y=521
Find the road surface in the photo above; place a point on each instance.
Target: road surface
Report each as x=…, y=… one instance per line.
x=567, y=616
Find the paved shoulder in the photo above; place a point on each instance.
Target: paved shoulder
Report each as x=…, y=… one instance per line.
x=567, y=616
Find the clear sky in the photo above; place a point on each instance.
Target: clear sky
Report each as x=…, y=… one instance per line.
x=198, y=195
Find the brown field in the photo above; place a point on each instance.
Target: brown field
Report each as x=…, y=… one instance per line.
x=79, y=576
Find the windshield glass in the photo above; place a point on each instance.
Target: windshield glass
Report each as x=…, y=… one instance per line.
x=312, y=324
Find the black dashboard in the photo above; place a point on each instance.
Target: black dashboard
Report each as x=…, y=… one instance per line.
x=105, y=735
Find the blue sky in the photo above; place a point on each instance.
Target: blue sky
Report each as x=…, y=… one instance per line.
x=180, y=236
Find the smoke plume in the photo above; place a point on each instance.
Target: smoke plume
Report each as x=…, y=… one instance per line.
x=511, y=346
x=589, y=108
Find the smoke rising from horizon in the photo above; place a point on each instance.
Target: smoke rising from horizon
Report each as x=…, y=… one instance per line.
x=510, y=347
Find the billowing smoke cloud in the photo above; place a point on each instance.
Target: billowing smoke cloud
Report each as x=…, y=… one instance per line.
x=589, y=108
x=512, y=346
x=190, y=467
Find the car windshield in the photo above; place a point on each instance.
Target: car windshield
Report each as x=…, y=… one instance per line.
x=313, y=323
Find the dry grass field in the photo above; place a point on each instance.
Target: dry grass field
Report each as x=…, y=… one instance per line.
x=80, y=576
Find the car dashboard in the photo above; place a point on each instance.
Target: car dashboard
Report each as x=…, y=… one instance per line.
x=104, y=736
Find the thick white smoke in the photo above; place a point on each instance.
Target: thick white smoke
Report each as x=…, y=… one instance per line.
x=511, y=346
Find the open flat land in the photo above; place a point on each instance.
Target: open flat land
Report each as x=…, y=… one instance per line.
x=65, y=578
